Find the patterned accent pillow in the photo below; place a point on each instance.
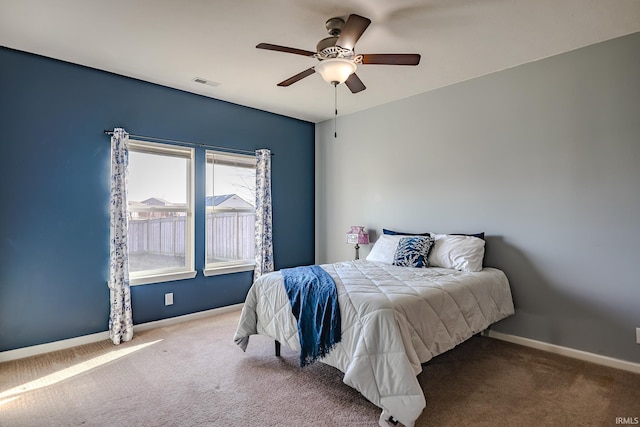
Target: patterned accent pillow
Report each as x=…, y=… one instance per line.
x=413, y=251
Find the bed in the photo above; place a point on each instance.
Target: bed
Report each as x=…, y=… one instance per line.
x=394, y=318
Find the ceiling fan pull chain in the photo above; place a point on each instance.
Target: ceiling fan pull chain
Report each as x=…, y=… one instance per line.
x=335, y=115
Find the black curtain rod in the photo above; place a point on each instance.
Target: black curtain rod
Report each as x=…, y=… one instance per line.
x=191, y=144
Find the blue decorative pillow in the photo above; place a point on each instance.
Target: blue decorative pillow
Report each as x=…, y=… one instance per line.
x=413, y=251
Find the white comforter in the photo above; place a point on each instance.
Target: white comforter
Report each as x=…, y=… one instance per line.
x=393, y=319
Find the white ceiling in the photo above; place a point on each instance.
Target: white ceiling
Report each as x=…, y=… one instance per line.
x=170, y=42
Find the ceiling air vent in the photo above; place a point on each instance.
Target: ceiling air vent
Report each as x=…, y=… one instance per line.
x=205, y=82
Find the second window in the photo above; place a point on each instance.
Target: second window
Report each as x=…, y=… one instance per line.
x=230, y=207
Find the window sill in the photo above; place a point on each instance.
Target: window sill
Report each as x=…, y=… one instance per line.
x=214, y=271
x=165, y=277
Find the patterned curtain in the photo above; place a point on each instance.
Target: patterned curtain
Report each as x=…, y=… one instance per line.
x=264, y=241
x=120, y=317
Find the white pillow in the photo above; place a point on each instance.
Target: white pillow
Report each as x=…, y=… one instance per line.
x=384, y=250
x=464, y=253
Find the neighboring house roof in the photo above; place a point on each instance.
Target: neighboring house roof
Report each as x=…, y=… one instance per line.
x=156, y=201
x=228, y=201
x=219, y=199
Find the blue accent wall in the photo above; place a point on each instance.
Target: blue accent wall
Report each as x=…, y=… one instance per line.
x=54, y=192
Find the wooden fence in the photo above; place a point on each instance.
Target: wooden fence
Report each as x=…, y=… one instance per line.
x=230, y=235
x=159, y=236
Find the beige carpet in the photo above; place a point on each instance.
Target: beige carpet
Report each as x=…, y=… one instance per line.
x=192, y=374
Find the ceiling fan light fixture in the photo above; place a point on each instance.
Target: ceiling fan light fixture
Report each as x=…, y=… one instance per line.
x=336, y=70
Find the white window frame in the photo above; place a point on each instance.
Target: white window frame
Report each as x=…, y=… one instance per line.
x=212, y=269
x=187, y=271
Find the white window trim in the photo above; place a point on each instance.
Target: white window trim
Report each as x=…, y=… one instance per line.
x=189, y=271
x=226, y=269
x=162, y=277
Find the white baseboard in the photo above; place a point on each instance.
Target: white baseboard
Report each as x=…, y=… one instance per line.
x=193, y=316
x=35, y=350
x=566, y=351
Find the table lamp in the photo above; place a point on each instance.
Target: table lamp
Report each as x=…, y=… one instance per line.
x=358, y=236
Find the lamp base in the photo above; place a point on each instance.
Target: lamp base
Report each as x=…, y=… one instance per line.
x=357, y=251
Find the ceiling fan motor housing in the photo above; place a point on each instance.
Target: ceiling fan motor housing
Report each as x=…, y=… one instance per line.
x=334, y=26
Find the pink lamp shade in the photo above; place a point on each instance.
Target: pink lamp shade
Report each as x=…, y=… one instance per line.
x=357, y=235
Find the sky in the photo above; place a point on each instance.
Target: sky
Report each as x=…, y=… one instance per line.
x=166, y=177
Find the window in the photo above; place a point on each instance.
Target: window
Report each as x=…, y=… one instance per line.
x=231, y=212
x=160, y=197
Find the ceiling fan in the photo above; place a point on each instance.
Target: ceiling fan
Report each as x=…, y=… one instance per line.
x=338, y=60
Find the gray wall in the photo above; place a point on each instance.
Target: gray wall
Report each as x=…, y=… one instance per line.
x=542, y=157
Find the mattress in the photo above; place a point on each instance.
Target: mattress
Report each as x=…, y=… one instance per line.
x=394, y=319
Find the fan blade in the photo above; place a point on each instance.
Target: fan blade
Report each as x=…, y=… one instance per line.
x=352, y=31
x=391, y=58
x=354, y=83
x=299, y=76
x=285, y=49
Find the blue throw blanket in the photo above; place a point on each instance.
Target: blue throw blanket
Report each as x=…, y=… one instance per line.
x=314, y=302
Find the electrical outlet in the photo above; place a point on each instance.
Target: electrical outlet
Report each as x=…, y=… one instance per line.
x=637, y=335
x=168, y=299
